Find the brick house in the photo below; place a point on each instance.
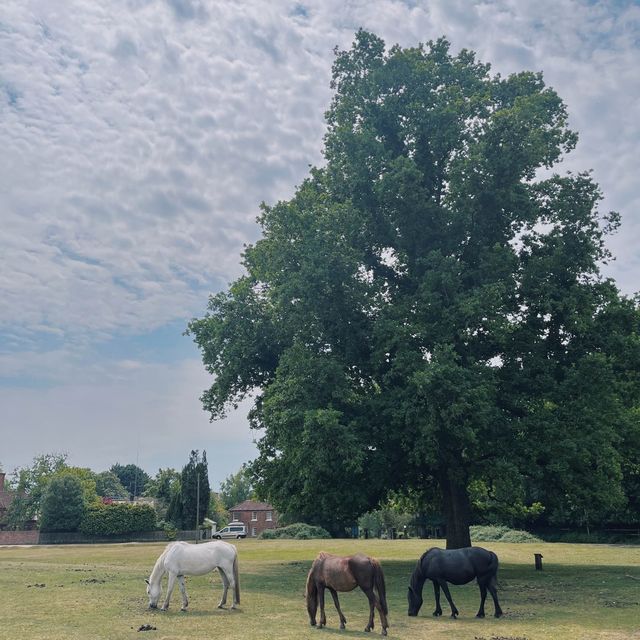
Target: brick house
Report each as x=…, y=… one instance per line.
x=256, y=517
x=6, y=498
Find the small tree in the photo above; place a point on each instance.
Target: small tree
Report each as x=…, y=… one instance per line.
x=63, y=504
x=236, y=488
x=30, y=484
x=191, y=503
x=217, y=510
x=132, y=477
x=108, y=485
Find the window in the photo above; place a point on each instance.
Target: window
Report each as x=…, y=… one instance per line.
x=253, y=532
x=269, y=516
x=254, y=516
x=235, y=517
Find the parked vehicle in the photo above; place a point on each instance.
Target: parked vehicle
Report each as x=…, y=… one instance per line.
x=231, y=531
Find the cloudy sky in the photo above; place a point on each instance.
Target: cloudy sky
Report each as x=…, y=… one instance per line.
x=137, y=139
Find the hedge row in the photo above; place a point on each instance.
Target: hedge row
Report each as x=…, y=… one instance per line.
x=299, y=531
x=500, y=533
x=116, y=519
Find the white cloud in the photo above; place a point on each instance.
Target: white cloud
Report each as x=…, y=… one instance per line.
x=139, y=137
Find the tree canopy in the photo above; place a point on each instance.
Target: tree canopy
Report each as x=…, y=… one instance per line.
x=426, y=314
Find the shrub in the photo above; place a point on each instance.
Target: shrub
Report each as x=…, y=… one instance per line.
x=500, y=533
x=298, y=530
x=116, y=519
x=62, y=504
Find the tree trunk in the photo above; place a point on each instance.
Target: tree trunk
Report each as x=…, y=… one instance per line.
x=457, y=509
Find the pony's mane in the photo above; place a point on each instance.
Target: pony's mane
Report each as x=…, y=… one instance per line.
x=158, y=568
x=418, y=570
x=429, y=551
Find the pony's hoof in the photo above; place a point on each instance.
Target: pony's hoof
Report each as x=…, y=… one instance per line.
x=183, y=609
x=498, y=614
x=437, y=613
x=342, y=625
x=479, y=615
x=221, y=606
x=384, y=632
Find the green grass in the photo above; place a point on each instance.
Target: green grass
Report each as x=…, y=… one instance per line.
x=98, y=591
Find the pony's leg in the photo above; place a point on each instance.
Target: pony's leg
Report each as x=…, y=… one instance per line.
x=323, y=617
x=494, y=594
x=225, y=588
x=383, y=617
x=371, y=596
x=436, y=593
x=334, y=595
x=183, y=591
x=170, y=584
x=445, y=588
x=374, y=603
x=483, y=597
x=232, y=586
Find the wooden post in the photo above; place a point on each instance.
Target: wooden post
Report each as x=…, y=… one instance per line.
x=538, y=559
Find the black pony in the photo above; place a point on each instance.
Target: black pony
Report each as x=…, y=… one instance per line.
x=457, y=566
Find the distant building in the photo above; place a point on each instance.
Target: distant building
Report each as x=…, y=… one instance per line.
x=256, y=517
x=6, y=498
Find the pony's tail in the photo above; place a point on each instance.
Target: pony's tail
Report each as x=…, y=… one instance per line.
x=236, y=578
x=378, y=578
x=311, y=595
x=493, y=569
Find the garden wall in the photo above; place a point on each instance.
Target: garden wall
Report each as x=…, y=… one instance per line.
x=36, y=537
x=19, y=537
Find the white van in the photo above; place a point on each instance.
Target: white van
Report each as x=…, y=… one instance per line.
x=236, y=530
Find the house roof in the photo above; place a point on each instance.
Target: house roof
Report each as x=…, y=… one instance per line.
x=250, y=505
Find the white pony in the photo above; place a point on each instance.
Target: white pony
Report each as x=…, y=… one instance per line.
x=181, y=558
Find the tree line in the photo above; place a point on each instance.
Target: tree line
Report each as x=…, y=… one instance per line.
x=60, y=497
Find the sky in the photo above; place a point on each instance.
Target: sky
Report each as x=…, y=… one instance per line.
x=137, y=140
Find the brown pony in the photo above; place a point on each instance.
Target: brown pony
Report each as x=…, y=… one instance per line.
x=338, y=573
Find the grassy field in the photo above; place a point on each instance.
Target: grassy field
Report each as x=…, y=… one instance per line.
x=98, y=591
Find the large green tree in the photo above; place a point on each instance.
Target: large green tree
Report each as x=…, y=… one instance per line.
x=426, y=314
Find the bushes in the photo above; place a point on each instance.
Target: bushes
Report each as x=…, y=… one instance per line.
x=500, y=533
x=298, y=530
x=116, y=519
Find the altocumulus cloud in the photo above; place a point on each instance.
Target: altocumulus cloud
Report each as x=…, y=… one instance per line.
x=139, y=137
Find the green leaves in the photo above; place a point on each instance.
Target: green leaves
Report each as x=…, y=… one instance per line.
x=425, y=312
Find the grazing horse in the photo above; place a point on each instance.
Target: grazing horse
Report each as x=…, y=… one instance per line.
x=180, y=559
x=457, y=566
x=338, y=573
